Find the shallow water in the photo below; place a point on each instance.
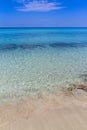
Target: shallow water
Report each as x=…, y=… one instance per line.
x=36, y=61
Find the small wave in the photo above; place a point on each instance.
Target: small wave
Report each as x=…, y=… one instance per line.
x=34, y=46
x=21, y=46
x=67, y=45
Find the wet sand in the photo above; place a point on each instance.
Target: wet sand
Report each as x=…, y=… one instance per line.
x=65, y=111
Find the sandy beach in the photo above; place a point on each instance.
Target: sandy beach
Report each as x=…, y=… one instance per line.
x=64, y=111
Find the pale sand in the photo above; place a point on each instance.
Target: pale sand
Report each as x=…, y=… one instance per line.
x=54, y=112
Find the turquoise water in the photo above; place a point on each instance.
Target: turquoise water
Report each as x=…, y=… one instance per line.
x=35, y=61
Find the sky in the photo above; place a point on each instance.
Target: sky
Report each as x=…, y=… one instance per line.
x=43, y=13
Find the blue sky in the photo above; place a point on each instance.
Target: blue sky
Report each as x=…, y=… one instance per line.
x=43, y=13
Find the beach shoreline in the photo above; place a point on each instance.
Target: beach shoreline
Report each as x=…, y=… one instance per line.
x=65, y=111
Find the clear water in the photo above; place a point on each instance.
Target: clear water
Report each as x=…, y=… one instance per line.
x=41, y=60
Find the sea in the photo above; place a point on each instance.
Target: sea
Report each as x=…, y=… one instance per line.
x=40, y=61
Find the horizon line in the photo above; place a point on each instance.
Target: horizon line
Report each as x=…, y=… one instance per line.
x=43, y=27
